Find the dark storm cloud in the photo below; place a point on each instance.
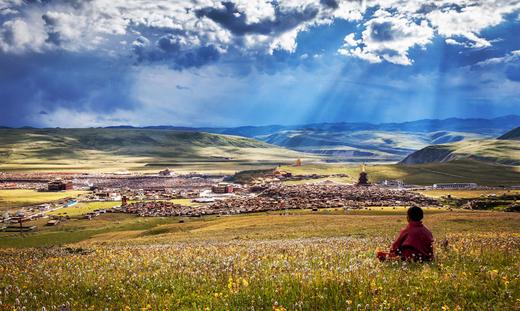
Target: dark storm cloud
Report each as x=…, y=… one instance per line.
x=430, y=7
x=232, y=19
x=54, y=36
x=383, y=31
x=169, y=50
x=333, y=4
x=38, y=84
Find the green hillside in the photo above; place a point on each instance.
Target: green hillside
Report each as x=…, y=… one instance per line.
x=133, y=149
x=457, y=171
x=511, y=135
x=504, y=152
x=366, y=145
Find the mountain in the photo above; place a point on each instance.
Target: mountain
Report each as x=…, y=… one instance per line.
x=384, y=142
x=491, y=127
x=493, y=151
x=361, y=141
x=131, y=148
x=511, y=135
x=476, y=125
x=366, y=141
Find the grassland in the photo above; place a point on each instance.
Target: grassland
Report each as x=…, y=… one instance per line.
x=300, y=261
x=133, y=149
x=468, y=194
x=111, y=150
x=12, y=199
x=368, y=145
x=83, y=208
x=493, y=151
x=425, y=174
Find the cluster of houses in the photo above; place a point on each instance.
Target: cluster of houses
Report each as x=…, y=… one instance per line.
x=315, y=196
x=30, y=213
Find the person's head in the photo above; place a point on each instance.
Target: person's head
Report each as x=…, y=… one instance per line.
x=415, y=213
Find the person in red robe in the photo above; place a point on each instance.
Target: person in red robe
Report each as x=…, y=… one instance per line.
x=414, y=243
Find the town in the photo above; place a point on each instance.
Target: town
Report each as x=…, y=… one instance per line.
x=167, y=194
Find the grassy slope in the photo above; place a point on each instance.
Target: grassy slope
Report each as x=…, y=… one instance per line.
x=120, y=228
x=11, y=199
x=121, y=149
x=512, y=135
x=469, y=194
x=309, y=261
x=427, y=174
x=506, y=152
x=377, y=145
x=83, y=208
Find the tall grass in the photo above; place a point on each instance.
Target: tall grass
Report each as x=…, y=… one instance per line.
x=282, y=265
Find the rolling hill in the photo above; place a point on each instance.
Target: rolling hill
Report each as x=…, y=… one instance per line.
x=492, y=127
x=370, y=146
x=511, y=135
x=504, y=151
x=123, y=149
x=385, y=142
x=356, y=142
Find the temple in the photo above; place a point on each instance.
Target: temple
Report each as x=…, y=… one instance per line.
x=363, y=177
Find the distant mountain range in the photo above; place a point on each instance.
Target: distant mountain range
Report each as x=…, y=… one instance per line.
x=373, y=142
x=363, y=141
x=475, y=125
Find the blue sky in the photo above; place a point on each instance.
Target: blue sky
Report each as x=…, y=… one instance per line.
x=252, y=62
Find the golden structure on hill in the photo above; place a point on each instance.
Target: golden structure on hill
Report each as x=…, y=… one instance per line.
x=298, y=162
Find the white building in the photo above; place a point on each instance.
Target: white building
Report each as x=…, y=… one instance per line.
x=392, y=183
x=455, y=186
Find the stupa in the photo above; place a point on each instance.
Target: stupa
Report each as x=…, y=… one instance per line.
x=363, y=177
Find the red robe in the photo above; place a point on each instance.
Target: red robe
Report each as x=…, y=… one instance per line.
x=415, y=242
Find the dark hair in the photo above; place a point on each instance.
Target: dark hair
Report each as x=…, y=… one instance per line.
x=415, y=213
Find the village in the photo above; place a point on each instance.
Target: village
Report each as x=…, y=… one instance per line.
x=166, y=194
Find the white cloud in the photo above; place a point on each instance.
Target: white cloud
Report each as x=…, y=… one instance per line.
x=249, y=26
x=472, y=17
x=350, y=40
x=389, y=38
x=415, y=23
x=17, y=36
x=511, y=57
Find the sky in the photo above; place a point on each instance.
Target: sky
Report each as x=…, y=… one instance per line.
x=89, y=63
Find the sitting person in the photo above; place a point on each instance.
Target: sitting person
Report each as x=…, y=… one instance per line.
x=415, y=242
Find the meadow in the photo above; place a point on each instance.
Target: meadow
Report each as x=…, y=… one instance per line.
x=88, y=207
x=469, y=194
x=12, y=199
x=149, y=151
x=109, y=150
x=302, y=260
x=461, y=171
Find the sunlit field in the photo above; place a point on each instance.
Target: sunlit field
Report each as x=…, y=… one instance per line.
x=469, y=194
x=462, y=171
x=11, y=199
x=83, y=208
x=302, y=260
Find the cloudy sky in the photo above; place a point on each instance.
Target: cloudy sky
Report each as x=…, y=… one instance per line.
x=80, y=63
